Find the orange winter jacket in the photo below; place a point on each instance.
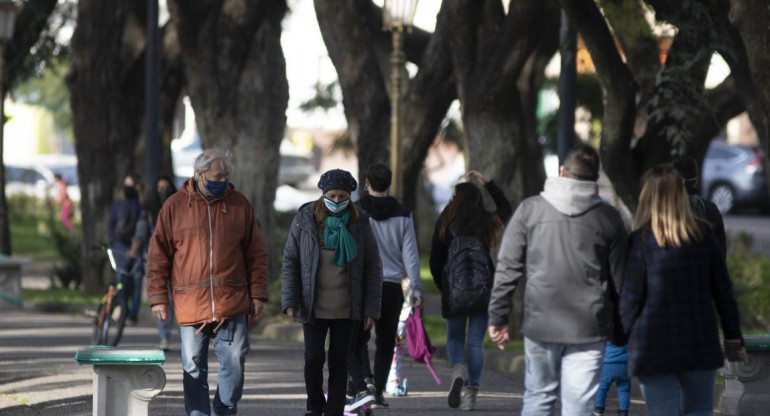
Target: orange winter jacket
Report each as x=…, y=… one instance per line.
x=213, y=254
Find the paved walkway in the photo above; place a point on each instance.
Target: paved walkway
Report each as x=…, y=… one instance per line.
x=38, y=374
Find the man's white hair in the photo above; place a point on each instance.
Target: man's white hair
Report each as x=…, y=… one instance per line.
x=209, y=156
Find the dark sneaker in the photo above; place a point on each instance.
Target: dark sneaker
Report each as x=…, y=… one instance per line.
x=359, y=400
x=455, y=390
x=313, y=413
x=379, y=401
x=130, y=321
x=622, y=412
x=599, y=411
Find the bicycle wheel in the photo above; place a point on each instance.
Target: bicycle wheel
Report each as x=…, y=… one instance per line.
x=110, y=329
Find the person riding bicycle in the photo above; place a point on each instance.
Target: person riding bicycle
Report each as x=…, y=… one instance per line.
x=207, y=243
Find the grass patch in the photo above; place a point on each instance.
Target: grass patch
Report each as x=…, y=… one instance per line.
x=62, y=296
x=29, y=238
x=428, y=285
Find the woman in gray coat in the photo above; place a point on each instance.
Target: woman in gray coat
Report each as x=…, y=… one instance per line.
x=331, y=280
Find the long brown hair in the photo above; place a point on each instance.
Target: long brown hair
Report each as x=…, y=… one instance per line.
x=320, y=212
x=664, y=208
x=467, y=215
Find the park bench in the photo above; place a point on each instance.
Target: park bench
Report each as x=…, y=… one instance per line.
x=126, y=379
x=10, y=281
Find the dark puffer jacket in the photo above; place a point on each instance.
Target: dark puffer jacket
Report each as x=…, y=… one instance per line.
x=299, y=270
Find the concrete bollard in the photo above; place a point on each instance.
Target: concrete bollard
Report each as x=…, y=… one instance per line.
x=126, y=379
x=747, y=386
x=10, y=282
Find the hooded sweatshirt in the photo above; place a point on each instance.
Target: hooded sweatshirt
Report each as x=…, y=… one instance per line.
x=393, y=228
x=571, y=247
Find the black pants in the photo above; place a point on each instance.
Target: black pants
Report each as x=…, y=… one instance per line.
x=385, y=329
x=339, y=342
x=358, y=360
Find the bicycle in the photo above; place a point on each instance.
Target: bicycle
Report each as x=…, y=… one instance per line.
x=112, y=311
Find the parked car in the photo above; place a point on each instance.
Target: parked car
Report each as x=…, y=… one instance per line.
x=734, y=176
x=35, y=176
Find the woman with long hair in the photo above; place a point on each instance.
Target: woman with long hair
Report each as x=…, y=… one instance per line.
x=474, y=217
x=331, y=283
x=674, y=277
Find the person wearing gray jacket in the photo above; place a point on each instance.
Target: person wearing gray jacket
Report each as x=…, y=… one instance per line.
x=393, y=228
x=331, y=282
x=570, y=247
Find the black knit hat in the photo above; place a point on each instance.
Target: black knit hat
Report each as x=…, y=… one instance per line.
x=337, y=179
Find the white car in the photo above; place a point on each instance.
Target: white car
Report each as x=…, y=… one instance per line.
x=35, y=176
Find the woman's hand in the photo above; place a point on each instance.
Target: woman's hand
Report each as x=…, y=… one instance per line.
x=476, y=175
x=291, y=313
x=368, y=323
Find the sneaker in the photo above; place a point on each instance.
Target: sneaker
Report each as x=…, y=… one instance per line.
x=163, y=344
x=370, y=384
x=379, y=401
x=622, y=412
x=359, y=400
x=469, y=398
x=313, y=413
x=599, y=411
x=130, y=321
x=456, y=388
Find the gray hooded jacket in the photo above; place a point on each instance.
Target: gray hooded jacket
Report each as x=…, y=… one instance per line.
x=571, y=247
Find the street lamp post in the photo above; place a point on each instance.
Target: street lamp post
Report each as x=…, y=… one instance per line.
x=397, y=16
x=7, y=19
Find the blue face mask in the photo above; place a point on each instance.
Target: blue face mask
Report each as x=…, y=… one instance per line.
x=216, y=188
x=336, y=207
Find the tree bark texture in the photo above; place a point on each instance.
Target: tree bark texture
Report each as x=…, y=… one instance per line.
x=236, y=78
x=350, y=31
x=751, y=18
x=489, y=52
x=106, y=82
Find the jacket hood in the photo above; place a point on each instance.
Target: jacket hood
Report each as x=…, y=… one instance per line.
x=571, y=197
x=381, y=208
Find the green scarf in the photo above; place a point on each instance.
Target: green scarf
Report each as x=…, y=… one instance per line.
x=337, y=237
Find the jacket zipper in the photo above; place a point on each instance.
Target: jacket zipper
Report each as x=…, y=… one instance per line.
x=211, y=262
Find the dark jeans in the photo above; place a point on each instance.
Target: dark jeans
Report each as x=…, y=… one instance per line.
x=385, y=329
x=356, y=369
x=339, y=331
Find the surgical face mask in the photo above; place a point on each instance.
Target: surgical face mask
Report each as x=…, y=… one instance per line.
x=336, y=207
x=164, y=193
x=216, y=188
x=130, y=192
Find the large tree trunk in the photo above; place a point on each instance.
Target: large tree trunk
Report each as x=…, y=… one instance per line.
x=106, y=82
x=236, y=77
x=751, y=17
x=489, y=51
x=348, y=28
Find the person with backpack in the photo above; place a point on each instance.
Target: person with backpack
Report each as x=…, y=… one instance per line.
x=393, y=228
x=331, y=283
x=568, y=247
x=701, y=207
x=121, y=231
x=467, y=230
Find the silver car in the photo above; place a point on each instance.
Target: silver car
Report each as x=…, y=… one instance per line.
x=734, y=176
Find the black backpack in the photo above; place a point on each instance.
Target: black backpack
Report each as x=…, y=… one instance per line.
x=125, y=226
x=467, y=275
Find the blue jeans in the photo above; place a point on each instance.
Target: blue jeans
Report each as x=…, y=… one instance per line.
x=133, y=288
x=455, y=343
x=617, y=373
x=231, y=344
x=573, y=369
x=165, y=327
x=692, y=391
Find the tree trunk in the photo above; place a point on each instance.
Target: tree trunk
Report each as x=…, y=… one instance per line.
x=236, y=77
x=106, y=82
x=751, y=17
x=348, y=28
x=489, y=51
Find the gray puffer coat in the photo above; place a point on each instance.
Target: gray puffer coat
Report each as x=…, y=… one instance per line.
x=299, y=270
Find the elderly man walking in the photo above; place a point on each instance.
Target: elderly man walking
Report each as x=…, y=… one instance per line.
x=571, y=247
x=208, y=245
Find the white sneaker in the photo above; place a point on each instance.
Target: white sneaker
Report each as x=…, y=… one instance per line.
x=163, y=344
